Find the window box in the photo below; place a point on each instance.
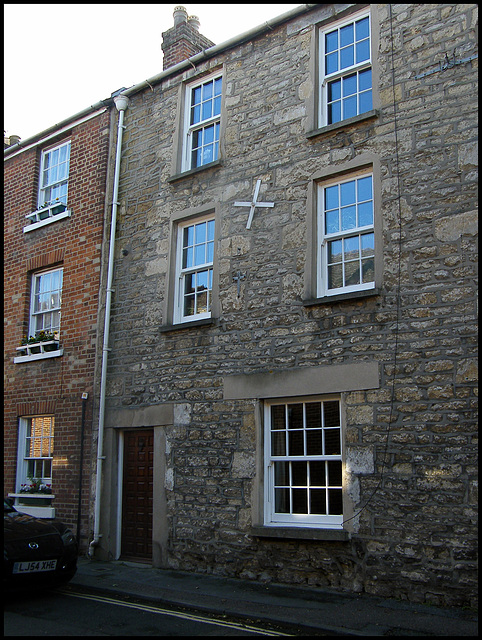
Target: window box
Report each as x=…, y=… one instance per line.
x=38, y=505
x=46, y=215
x=38, y=351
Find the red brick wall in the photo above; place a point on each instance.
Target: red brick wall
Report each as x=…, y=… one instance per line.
x=54, y=385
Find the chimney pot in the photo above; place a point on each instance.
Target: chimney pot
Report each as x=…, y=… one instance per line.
x=180, y=15
x=194, y=22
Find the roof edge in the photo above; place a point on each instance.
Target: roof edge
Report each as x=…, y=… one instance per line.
x=218, y=48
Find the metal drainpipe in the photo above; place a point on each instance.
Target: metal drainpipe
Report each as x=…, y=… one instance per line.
x=121, y=102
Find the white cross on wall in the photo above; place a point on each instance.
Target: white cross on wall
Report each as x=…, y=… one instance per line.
x=253, y=204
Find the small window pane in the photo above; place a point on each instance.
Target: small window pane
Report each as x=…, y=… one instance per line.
x=331, y=413
x=189, y=305
x=207, y=91
x=300, y=501
x=278, y=416
x=365, y=214
x=332, y=442
x=352, y=248
x=314, y=442
x=368, y=270
x=207, y=110
x=349, y=85
x=317, y=474
x=334, y=90
x=200, y=254
x=196, y=114
x=335, y=501
x=365, y=80
x=346, y=57
x=282, y=500
x=348, y=218
x=187, y=260
x=335, y=276
x=295, y=416
x=346, y=35
x=331, y=41
x=331, y=63
x=282, y=474
x=365, y=101
x=331, y=197
x=367, y=244
x=278, y=443
x=313, y=414
x=295, y=446
x=363, y=51
x=352, y=273
x=347, y=193
x=299, y=476
x=318, y=501
x=335, y=251
x=334, y=473
x=349, y=107
x=332, y=221
x=362, y=28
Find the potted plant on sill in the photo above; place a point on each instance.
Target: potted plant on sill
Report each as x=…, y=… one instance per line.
x=35, y=493
x=41, y=337
x=35, y=485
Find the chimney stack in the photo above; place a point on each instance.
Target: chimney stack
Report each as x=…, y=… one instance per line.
x=183, y=40
x=9, y=141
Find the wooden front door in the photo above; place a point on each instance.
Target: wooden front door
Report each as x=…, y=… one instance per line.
x=137, y=494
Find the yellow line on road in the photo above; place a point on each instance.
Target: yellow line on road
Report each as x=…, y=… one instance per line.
x=175, y=614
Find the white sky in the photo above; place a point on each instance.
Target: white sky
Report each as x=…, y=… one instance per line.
x=62, y=58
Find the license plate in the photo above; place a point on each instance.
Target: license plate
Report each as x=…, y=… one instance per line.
x=34, y=567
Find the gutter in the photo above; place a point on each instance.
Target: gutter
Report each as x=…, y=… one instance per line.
x=64, y=125
x=121, y=103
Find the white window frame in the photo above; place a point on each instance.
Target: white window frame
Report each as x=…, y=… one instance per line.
x=325, y=238
x=190, y=130
x=341, y=73
x=307, y=520
x=35, y=314
x=51, y=209
x=185, y=271
x=22, y=452
x=57, y=182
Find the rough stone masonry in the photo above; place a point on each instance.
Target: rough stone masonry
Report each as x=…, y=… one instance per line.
x=410, y=439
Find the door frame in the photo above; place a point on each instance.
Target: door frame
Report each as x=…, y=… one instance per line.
x=120, y=485
x=120, y=474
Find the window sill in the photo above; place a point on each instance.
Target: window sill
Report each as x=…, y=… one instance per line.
x=47, y=221
x=207, y=322
x=299, y=533
x=342, y=297
x=344, y=123
x=190, y=172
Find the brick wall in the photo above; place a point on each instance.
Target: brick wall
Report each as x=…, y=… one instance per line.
x=54, y=386
x=411, y=442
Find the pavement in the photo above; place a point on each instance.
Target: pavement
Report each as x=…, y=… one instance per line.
x=314, y=610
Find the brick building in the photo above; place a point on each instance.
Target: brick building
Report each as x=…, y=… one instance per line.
x=54, y=200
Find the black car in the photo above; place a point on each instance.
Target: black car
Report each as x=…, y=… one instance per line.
x=36, y=551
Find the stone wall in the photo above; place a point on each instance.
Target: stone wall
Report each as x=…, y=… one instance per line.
x=410, y=442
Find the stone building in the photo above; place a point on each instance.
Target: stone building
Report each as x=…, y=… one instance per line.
x=54, y=199
x=289, y=388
